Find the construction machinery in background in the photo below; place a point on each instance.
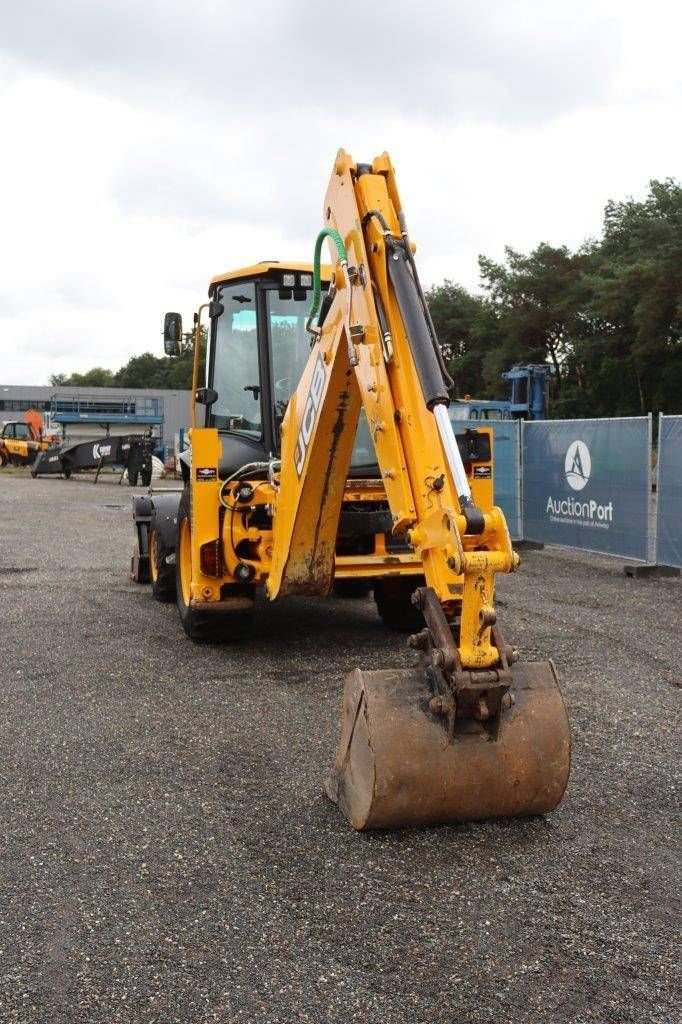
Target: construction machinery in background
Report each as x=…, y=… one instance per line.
x=133, y=453
x=528, y=400
x=22, y=440
x=326, y=453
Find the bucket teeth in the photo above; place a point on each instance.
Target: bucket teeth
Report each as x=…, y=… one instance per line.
x=396, y=766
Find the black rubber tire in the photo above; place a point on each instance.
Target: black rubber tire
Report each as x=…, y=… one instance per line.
x=161, y=574
x=393, y=600
x=142, y=506
x=352, y=588
x=205, y=627
x=66, y=472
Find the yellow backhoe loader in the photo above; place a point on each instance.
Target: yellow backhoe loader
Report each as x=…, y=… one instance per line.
x=326, y=454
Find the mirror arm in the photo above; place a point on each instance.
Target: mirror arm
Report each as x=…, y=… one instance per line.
x=195, y=365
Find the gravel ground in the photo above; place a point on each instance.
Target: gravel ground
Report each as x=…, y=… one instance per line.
x=168, y=856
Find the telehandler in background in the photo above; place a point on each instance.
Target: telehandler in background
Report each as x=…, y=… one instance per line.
x=326, y=453
x=22, y=440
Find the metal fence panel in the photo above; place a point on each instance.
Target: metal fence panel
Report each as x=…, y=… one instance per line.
x=506, y=467
x=587, y=484
x=669, y=492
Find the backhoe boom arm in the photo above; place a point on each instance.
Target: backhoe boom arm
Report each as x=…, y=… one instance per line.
x=376, y=349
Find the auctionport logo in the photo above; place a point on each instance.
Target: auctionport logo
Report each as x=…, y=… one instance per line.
x=578, y=469
x=577, y=465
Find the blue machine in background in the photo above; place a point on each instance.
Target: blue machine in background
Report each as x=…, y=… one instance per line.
x=106, y=410
x=529, y=391
x=528, y=401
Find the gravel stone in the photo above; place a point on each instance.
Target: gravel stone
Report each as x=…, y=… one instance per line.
x=167, y=854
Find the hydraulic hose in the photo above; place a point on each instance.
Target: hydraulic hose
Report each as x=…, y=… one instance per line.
x=317, y=280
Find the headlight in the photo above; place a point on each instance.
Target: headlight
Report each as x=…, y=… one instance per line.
x=306, y=280
x=288, y=280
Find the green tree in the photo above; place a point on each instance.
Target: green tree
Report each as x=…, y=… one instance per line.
x=634, y=343
x=538, y=300
x=467, y=332
x=607, y=317
x=143, y=371
x=98, y=377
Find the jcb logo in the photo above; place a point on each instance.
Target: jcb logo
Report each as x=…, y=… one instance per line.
x=309, y=414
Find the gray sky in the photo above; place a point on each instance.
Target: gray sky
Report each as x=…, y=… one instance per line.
x=145, y=147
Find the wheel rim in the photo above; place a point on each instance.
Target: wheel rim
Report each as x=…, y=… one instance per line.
x=185, y=561
x=153, y=564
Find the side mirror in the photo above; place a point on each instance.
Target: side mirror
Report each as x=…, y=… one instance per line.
x=172, y=334
x=205, y=396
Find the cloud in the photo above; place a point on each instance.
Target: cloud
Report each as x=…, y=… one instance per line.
x=505, y=60
x=150, y=146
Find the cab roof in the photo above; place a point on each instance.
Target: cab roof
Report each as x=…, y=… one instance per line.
x=268, y=267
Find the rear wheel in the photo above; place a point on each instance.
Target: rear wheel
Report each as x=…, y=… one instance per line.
x=212, y=627
x=393, y=599
x=162, y=574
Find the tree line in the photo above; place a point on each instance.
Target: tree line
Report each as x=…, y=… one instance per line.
x=607, y=317
x=144, y=371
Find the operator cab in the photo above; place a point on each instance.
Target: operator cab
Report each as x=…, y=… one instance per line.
x=257, y=350
x=16, y=431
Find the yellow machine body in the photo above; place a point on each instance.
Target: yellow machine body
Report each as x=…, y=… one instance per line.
x=20, y=442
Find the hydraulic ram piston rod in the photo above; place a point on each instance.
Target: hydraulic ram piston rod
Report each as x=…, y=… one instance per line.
x=452, y=454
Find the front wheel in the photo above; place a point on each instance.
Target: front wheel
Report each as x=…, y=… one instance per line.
x=393, y=599
x=212, y=627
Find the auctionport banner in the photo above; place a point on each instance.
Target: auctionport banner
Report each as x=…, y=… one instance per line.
x=587, y=484
x=669, y=546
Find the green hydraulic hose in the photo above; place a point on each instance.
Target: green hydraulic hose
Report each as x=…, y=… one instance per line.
x=317, y=281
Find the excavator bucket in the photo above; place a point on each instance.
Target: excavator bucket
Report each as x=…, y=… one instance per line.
x=397, y=766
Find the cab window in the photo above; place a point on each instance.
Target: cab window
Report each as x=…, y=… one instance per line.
x=289, y=343
x=235, y=364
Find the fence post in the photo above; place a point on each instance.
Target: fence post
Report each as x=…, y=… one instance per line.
x=519, y=469
x=655, y=505
x=652, y=567
x=651, y=512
